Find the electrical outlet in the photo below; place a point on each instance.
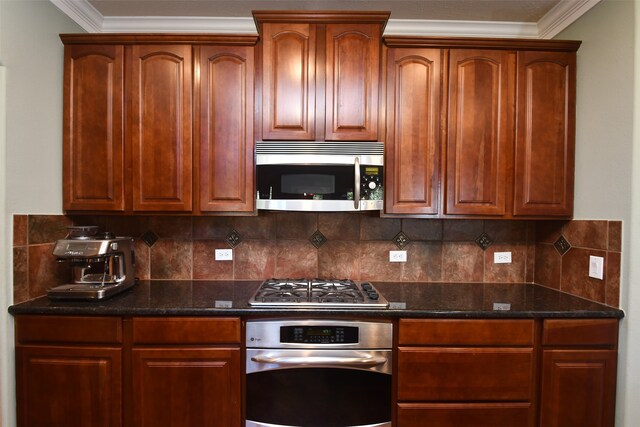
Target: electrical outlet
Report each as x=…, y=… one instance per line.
x=596, y=267
x=502, y=257
x=224, y=254
x=397, y=256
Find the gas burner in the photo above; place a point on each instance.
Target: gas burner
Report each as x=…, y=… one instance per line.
x=317, y=293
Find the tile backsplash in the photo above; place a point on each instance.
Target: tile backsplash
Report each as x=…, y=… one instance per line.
x=333, y=245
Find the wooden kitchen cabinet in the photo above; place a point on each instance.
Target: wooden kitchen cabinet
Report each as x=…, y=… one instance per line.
x=224, y=117
x=68, y=371
x=320, y=75
x=158, y=123
x=93, y=146
x=545, y=136
x=186, y=372
x=579, y=364
x=466, y=372
x=480, y=131
x=506, y=132
x=414, y=79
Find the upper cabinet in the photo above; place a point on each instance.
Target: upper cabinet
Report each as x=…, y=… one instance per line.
x=158, y=123
x=490, y=133
x=545, y=133
x=320, y=75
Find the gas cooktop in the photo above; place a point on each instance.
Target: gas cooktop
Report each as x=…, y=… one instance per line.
x=317, y=293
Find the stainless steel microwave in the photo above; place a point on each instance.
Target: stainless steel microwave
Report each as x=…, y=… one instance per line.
x=319, y=176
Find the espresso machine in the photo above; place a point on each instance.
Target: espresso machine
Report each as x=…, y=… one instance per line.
x=102, y=265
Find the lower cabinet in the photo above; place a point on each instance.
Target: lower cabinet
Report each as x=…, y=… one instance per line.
x=579, y=364
x=68, y=371
x=466, y=373
x=186, y=372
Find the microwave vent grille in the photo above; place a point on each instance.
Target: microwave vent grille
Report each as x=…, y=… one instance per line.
x=320, y=148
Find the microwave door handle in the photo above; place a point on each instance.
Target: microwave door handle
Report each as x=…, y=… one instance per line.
x=356, y=184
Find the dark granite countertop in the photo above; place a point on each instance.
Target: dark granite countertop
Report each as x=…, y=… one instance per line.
x=433, y=300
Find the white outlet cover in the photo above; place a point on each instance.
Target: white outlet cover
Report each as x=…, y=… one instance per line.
x=502, y=257
x=596, y=267
x=224, y=255
x=397, y=256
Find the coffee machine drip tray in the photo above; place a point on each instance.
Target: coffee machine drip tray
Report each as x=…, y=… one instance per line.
x=86, y=291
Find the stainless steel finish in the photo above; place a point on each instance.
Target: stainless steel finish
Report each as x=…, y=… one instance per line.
x=319, y=152
x=315, y=293
x=100, y=267
x=356, y=184
x=266, y=334
x=258, y=424
x=318, y=205
x=372, y=360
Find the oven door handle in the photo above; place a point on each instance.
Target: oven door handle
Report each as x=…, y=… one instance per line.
x=320, y=360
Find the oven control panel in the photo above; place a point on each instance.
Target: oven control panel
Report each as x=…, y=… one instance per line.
x=319, y=334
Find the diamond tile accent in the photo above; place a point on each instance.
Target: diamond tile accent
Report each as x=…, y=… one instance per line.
x=484, y=241
x=562, y=245
x=401, y=240
x=233, y=238
x=317, y=239
x=149, y=238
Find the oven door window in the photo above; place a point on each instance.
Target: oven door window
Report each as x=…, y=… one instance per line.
x=319, y=397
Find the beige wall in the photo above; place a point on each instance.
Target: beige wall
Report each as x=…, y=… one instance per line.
x=31, y=150
x=607, y=160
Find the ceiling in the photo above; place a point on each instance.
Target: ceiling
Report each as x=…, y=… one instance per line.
x=480, y=18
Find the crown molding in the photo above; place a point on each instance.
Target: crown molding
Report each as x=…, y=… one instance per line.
x=556, y=20
x=420, y=27
x=562, y=15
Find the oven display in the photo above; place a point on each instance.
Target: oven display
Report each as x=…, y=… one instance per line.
x=319, y=334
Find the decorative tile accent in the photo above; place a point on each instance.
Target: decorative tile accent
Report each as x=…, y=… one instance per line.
x=484, y=241
x=317, y=239
x=233, y=238
x=150, y=238
x=562, y=245
x=401, y=240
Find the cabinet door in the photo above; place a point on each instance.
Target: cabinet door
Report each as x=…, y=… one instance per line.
x=226, y=140
x=545, y=135
x=93, y=148
x=288, y=85
x=487, y=414
x=413, y=130
x=186, y=387
x=578, y=388
x=68, y=386
x=160, y=128
x=480, y=131
x=352, y=82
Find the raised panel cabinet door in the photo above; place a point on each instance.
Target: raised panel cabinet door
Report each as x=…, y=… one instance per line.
x=352, y=82
x=191, y=387
x=226, y=141
x=578, y=388
x=160, y=115
x=288, y=81
x=480, y=131
x=545, y=134
x=68, y=386
x=93, y=141
x=412, y=146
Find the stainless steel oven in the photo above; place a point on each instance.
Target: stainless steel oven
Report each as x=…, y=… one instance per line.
x=318, y=373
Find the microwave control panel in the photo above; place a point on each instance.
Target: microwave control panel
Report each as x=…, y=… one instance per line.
x=371, y=180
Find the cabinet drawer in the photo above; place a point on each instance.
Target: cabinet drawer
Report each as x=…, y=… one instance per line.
x=466, y=332
x=464, y=414
x=465, y=374
x=68, y=329
x=596, y=332
x=186, y=330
